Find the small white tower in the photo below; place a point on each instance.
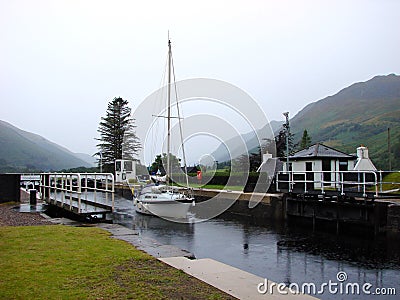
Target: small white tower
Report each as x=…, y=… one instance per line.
x=266, y=157
x=363, y=161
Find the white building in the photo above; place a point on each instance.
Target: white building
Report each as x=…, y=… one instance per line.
x=124, y=170
x=321, y=163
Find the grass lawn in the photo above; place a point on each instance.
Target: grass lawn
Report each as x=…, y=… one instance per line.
x=63, y=262
x=393, y=181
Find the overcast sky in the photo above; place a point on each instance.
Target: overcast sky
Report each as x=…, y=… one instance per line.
x=61, y=62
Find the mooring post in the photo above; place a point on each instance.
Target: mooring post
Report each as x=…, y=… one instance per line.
x=46, y=188
x=32, y=197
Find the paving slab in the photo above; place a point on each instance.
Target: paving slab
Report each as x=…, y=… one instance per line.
x=117, y=230
x=233, y=281
x=148, y=245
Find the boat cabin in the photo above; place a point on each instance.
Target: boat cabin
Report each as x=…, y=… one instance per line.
x=125, y=170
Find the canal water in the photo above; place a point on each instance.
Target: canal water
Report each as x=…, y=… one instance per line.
x=292, y=256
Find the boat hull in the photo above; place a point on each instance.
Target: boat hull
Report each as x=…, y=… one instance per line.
x=166, y=209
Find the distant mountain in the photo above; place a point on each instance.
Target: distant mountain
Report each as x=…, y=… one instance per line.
x=358, y=114
x=250, y=139
x=92, y=161
x=22, y=151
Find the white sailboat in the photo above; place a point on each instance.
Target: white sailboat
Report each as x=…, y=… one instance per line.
x=161, y=199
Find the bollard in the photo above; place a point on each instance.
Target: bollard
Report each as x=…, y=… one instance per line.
x=32, y=197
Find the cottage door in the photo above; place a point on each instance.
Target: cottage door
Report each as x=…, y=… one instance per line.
x=326, y=168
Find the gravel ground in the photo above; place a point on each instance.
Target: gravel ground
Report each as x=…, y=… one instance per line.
x=11, y=217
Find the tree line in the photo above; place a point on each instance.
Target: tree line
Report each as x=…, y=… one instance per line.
x=118, y=141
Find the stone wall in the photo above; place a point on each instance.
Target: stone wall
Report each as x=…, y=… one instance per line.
x=10, y=188
x=393, y=218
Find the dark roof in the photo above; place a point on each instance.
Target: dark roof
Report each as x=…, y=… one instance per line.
x=320, y=151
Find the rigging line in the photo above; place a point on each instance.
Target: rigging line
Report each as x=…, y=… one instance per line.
x=169, y=111
x=180, y=124
x=158, y=107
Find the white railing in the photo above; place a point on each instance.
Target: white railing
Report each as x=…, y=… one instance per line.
x=71, y=189
x=332, y=180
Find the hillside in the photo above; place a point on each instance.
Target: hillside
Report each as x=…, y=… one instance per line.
x=24, y=151
x=358, y=114
x=92, y=161
x=221, y=153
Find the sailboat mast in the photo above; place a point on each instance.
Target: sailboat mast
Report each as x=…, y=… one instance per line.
x=169, y=111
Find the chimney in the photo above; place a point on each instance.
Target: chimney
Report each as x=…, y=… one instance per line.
x=362, y=152
x=266, y=156
x=363, y=161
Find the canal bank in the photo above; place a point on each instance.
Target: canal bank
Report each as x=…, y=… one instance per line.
x=289, y=255
x=233, y=281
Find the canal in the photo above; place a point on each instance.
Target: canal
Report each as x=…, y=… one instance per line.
x=282, y=254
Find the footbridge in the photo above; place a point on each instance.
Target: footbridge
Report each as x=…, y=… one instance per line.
x=86, y=195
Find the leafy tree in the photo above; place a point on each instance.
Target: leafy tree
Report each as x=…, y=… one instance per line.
x=280, y=142
x=305, y=140
x=160, y=163
x=81, y=170
x=396, y=155
x=157, y=165
x=242, y=163
x=247, y=162
x=117, y=136
x=255, y=160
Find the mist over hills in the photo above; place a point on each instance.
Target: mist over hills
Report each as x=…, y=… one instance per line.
x=23, y=151
x=358, y=114
x=250, y=139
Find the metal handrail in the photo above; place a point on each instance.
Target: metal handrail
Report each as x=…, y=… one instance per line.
x=68, y=189
x=337, y=182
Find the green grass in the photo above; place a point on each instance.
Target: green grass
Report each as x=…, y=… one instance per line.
x=218, y=187
x=393, y=181
x=214, y=186
x=62, y=262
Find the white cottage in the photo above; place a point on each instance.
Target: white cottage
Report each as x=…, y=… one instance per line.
x=321, y=162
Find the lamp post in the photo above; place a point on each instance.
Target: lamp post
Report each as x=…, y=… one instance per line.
x=286, y=114
x=101, y=161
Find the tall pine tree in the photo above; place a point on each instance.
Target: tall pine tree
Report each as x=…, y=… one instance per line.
x=117, y=136
x=280, y=142
x=305, y=140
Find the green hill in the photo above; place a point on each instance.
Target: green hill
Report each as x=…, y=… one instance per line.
x=23, y=151
x=358, y=114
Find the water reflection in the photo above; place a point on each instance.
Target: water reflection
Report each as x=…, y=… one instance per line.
x=288, y=255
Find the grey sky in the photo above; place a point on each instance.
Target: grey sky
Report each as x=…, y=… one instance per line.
x=61, y=62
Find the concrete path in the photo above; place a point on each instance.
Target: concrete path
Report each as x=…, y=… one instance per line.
x=233, y=281
x=148, y=245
